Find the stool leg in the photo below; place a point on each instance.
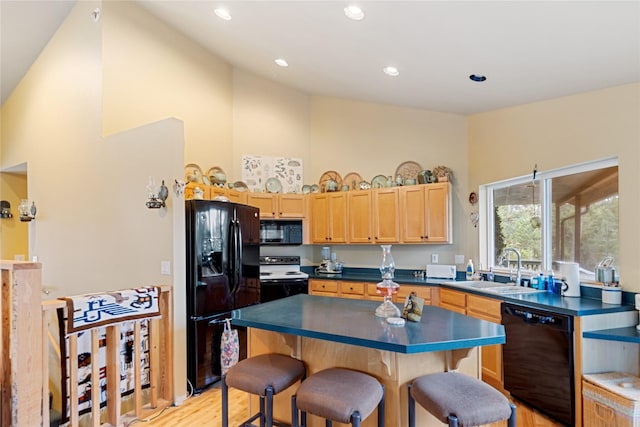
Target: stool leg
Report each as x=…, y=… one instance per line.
x=412, y=408
x=269, y=409
x=262, y=412
x=453, y=421
x=225, y=402
x=355, y=419
x=381, y=409
x=294, y=412
x=512, y=418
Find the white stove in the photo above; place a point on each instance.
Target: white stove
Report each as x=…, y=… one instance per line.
x=281, y=268
x=280, y=277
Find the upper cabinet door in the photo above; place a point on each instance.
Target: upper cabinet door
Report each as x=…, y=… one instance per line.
x=360, y=214
x=338, y=217
x=266, y=202
x=319, y=218
x=386, y=215
x=412, y=215
x=438, y=212
x=291, y=206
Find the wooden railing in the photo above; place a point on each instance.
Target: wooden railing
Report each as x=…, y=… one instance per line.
x=24, y=375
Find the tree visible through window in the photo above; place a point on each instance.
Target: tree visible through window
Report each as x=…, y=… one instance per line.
x=579, y=206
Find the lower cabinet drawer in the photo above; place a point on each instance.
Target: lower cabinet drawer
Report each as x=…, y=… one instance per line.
x=323, y=286
x=352, y=289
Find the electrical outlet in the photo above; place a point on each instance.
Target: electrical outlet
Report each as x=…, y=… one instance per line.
x=459, y=259
x=434, y=258
x=165, y=268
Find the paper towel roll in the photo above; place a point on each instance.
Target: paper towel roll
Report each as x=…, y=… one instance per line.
x=571, y=273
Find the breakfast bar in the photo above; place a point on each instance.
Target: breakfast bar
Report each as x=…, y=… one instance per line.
x=329, y=332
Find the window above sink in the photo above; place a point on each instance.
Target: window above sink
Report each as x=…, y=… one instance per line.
x=567, y=214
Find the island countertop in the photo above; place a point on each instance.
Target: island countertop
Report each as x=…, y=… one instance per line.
x=353, y=322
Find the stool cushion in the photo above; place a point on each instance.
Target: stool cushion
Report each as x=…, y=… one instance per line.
x=472, y=401
x=335, y=394
x=255, y=374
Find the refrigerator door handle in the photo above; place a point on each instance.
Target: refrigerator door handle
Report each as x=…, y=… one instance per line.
x=240, y=254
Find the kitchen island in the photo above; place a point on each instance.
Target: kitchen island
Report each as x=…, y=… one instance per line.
x=334, y=332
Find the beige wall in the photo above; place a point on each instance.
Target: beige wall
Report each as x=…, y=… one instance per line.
x=372, y=139
x=561, y=132
x=93, y=231
x=13, y=233
x=152, y=72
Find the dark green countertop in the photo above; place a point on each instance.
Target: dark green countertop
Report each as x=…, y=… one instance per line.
x=588, y=304
x=354, y=322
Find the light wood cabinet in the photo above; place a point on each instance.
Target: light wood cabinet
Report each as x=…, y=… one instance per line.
x=190, y=187
x=337, y=288
x=426, y=213
x=488, y=309
x=485, y=309
x=324, y=287
x=453, y=300
x=237, y=196
x=329, y=217
x=423, y=292
x=355, y=290
x=278, y=205
x=360, y=217
x=386, y=221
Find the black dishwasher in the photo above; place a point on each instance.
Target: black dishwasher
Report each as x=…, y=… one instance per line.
x=538, y=360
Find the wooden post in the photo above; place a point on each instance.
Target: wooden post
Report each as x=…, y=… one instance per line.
x=21, y=370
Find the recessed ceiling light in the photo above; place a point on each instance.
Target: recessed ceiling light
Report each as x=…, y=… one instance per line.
x=354, y=12
x=281, y=62
x=477, y=77
x=222, y=14
x=391, y=71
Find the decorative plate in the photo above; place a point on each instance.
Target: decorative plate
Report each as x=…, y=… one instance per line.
x=217, y=175
x=273, y=185
x=379, y=181
x=364, y=185
x=306, y=189
x=330, y=176
x=315, y=188
x=408, y=170
x=192, y=173
x=238, y=186
x=352, y=179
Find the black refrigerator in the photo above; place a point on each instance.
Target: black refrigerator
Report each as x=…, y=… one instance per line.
x=223, y=273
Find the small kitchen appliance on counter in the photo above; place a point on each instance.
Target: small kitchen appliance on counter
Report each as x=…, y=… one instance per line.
x=570, y=273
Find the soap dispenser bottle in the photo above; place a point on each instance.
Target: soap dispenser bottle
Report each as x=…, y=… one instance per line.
x=470, y=270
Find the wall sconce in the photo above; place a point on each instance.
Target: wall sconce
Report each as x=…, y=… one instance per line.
x=5, y=209
x=27, y=210
x=157, y=195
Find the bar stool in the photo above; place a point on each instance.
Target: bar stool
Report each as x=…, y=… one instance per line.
x=337, y=394
x=265, y=375
x=459, y=400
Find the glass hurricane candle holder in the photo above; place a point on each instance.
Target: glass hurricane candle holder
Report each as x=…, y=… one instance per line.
x=387, y=287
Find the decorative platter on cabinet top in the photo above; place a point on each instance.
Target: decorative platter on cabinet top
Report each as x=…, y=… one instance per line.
x=408, y=170
x=192, y=173
x=330, y=181
x=352, y=179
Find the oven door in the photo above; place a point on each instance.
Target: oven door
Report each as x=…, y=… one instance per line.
x=273, y=289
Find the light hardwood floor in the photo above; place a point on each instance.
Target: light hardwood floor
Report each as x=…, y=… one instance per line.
x=204, y=410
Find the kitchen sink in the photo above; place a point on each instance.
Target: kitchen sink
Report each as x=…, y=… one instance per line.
x=493, y=287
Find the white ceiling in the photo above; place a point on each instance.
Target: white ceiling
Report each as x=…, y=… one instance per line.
x=529, y=50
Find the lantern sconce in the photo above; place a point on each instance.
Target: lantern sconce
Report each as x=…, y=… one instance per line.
x=27, y=210
x=157, y=195
x=5, y=209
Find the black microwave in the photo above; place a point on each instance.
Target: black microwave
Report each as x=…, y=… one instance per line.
x=280, y=232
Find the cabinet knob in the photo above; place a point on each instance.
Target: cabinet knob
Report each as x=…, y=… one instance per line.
x=368, y=238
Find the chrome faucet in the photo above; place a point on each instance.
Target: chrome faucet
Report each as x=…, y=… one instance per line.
x=519, y=270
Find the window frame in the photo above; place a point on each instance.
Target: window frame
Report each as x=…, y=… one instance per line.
x=486, y=224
